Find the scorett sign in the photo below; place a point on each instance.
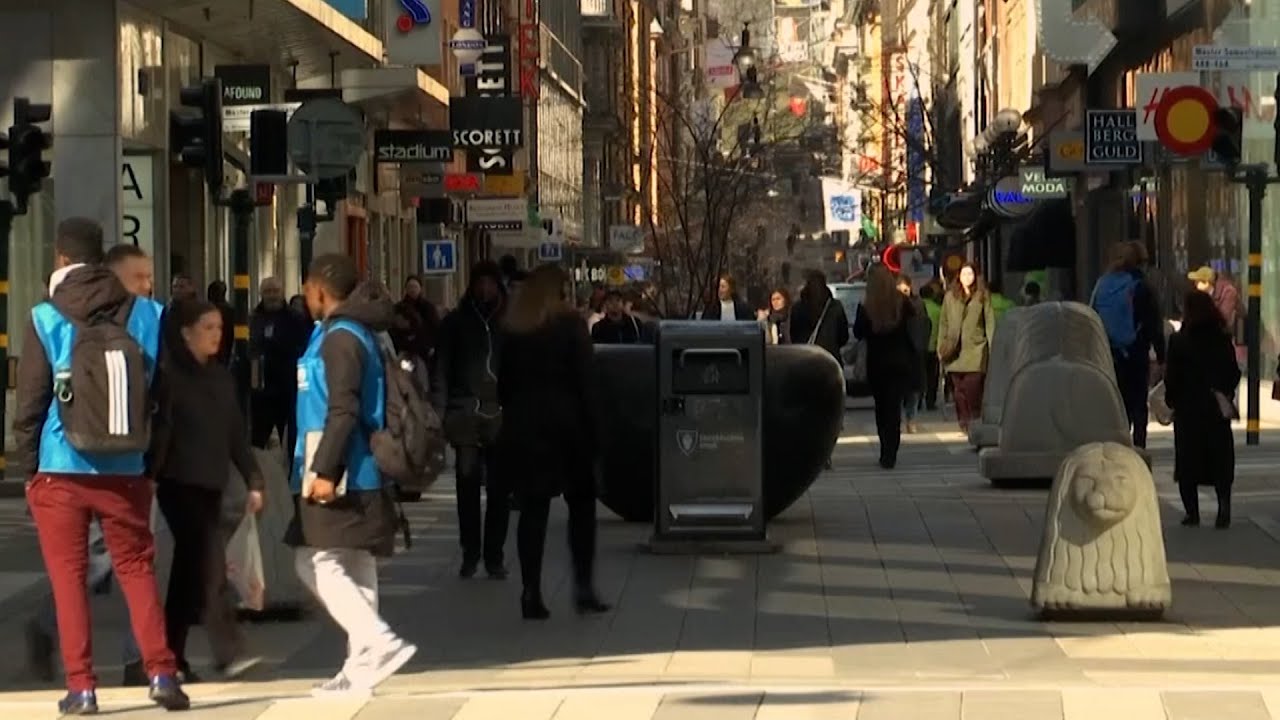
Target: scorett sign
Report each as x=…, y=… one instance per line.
x=492, y=79
x=487, y=123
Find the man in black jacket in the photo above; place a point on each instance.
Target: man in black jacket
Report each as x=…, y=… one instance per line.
x=277, y=338
x=618, y=326
x=465, y=391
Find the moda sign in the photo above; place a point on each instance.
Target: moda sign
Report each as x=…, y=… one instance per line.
x=1036, y=186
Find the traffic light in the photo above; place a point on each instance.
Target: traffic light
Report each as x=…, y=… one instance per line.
x=196, y=134
x=1228, y=135
x=268, y=142
x=26, y=144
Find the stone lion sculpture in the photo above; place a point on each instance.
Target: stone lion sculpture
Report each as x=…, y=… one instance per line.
x=986, y=432
x=1103, y=548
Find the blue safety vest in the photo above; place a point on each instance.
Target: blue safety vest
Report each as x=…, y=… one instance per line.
x=57, y=334
x=313, y=407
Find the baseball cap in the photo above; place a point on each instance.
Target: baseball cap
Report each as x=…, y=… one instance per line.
x=1203, y=274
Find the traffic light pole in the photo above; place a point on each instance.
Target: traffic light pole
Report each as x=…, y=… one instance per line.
x=242, y=206
x=7, y=213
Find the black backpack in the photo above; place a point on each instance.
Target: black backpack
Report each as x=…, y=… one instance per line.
x=104, y=399
x=411, y=445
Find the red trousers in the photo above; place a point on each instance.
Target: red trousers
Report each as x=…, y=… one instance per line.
x=63, y=506
x=966, y=389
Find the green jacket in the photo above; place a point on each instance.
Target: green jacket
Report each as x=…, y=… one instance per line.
x=1001, y=305
x=934, y=310
x=971, y=324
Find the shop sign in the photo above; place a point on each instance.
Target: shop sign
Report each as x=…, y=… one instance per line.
x=530, y=50
x=1037, y=186
x=244, y=84
x=426, y=181
x=486, y=122
x=497, y=213
x=137, y=190
x=412, y=146
x=462, y=183
x=512, y=185
x=412, y=33
x=492, y=79
x=1111, y=138
x=1006, y=198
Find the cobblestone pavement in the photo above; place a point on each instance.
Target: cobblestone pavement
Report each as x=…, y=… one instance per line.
x=897, y=595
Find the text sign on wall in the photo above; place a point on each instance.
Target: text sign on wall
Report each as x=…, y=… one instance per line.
x=137, y=191
x=1111, y=138
x=1036, y=186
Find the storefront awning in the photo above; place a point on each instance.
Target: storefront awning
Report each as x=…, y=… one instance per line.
x=278, y=32
x=398, y=91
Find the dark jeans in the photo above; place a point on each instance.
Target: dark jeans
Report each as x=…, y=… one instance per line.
x=1191, y=499
x=198, y=578
x=475, y=467
x=272, y=414
x=1133, y=375
x=888, y=401
x=966, y=387
x=531, y=539
x=932, y=370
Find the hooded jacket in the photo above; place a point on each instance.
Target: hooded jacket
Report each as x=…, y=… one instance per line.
x=82, y=293
x=361, y=519
x=464, y=386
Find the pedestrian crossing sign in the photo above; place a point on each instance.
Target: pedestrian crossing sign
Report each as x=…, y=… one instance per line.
x=550, y=252
x=439, y=257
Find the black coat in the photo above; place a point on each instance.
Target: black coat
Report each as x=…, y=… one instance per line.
x=893, y=359
x=547, y=443
x=464, y=383
x=277, y=338
x=833, y=333
x=1201, y=361
x=741, y=310
x=626, y=330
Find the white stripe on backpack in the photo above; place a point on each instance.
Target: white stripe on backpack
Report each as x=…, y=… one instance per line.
x=117, y=393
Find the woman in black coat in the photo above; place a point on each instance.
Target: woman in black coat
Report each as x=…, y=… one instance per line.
x=1201, y=376
x=819, y=318
x=546, y=446
x=884, y=322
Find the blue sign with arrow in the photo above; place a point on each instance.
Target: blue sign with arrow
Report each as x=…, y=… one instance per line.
x=439, y=257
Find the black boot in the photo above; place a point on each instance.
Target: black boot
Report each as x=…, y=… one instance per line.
x=532, y=607
x=587, y=602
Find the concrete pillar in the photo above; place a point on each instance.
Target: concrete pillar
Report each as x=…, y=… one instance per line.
x=86, y=113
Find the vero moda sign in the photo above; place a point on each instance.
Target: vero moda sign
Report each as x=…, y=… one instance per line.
x=492, y=79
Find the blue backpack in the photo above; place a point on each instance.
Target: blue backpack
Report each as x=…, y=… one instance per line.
x=1113, y=300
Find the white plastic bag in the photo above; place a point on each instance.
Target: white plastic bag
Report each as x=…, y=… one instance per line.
x=1160, y=410
x=244, y=564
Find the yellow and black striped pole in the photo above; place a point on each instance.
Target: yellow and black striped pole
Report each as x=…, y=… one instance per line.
x=1256, y=179
x=242, y=206
x=7, y=213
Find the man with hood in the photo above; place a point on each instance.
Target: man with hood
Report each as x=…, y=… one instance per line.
x=345, y=518
x=465, y=392
x=70, y=478
x=277, y=338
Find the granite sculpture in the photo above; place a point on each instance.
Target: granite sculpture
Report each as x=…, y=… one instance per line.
x=1062, y=395
x=986, y=432
x=1103, y=548
x=803, y=412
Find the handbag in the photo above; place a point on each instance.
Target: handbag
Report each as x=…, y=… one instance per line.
x=1159, y=407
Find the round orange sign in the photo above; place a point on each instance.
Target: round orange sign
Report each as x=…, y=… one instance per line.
x=1184, y=120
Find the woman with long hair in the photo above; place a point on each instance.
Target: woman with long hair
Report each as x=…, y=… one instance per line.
x=777, y=317
x=819, y=319
x=1200, y=379
x=547, y=446
x=964, y=341
x=199, y=433
x=882, y=321
x=919, y=326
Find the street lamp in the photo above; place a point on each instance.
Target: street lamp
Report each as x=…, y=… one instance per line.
x=744, y=58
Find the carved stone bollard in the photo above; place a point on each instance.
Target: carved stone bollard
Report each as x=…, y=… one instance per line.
x=1103, y=548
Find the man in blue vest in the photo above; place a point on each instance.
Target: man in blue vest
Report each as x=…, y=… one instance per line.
x=67, y=487
x=346, y=516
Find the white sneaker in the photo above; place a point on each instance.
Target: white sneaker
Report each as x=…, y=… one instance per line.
x=340, y=686
x=386, y=661
x=238, y=667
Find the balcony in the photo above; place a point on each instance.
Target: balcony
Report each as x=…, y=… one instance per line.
x=598, y=15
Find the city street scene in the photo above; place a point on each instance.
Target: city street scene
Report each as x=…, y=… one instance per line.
x=639, y=360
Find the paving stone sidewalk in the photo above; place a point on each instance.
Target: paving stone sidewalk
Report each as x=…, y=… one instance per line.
x=897, y=595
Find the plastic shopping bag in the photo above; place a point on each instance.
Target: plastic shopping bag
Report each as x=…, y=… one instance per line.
x=1160, y=410
x=244, y=564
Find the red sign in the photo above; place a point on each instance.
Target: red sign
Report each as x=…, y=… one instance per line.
x=264, y=193
x=530, y=48
x=1184, y=120
x=799, y=106
x=462, y=182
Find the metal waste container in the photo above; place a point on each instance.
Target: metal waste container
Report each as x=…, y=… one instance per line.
x=710, y=420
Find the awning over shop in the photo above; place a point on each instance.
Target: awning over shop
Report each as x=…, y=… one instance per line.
x=279, y=32
x=398, y=90
x=1046, y=238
